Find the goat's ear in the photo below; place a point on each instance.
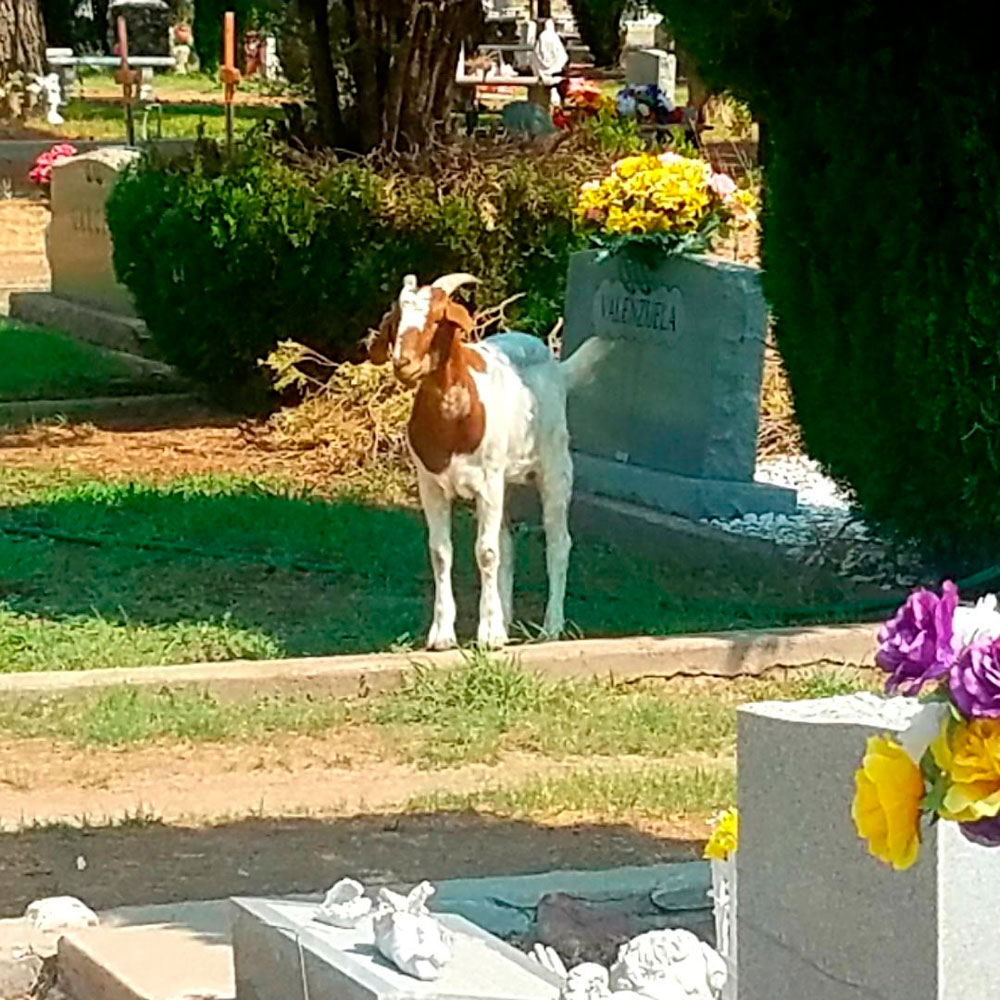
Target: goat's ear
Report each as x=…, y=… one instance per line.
x=379, y=342
x=455, y=312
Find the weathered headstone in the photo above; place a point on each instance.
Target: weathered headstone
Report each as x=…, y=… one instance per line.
x=670, y=418
x=644, y=67
x=148, y=23
x=818, y=916
x=78, y=242
x=281, y=953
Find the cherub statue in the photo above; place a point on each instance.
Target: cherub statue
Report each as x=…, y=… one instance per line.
x=669, y=965
x=48, y=89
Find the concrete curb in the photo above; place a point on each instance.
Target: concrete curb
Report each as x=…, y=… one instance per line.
x=721, y=654
x=99, y=408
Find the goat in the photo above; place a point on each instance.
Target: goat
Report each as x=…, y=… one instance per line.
x=484, y=415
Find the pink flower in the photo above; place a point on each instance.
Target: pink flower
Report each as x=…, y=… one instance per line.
x=41, y=172
x=723, y=185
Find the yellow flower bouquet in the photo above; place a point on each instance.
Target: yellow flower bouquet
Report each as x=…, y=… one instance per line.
x=662, y=203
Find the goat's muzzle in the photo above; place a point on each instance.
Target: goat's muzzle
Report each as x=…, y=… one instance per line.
x=409, y=371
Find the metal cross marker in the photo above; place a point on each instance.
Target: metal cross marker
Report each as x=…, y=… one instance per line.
x=128, y=78
x=229, y=74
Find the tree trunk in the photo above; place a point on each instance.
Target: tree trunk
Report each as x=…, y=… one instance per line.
x=324, y=75
x=403, y=55
x=22, y=38
x=600, y=25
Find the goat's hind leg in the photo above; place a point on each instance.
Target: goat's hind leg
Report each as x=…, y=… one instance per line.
x=555, y=487
x=507, y=572
x=437, y=511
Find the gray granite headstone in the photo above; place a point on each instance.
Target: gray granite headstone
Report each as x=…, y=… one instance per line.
x=670, y=418
x=652, y=66
x=281, y=953
x=819, y=918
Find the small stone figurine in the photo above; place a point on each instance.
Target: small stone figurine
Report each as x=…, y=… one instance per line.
x=345, y=905
x=48, y=89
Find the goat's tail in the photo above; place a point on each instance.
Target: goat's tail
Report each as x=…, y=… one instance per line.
x=581, y=366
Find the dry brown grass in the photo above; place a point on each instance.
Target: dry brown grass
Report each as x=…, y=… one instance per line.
x=778, y=432
x=354, y=414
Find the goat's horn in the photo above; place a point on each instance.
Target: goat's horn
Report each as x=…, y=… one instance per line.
x=450, y=283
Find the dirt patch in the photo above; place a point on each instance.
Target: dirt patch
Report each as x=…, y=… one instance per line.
x=341, y=774
x=209, y=443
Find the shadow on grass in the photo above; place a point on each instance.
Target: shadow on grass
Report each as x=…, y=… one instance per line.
x=110, y=109
x=212, y=568
x=151, y=863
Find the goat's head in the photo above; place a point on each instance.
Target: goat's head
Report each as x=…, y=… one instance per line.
x=418, y=332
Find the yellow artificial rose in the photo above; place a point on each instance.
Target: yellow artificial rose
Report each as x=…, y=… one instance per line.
x=969, y=755
x=886, y=809
x=725, y=836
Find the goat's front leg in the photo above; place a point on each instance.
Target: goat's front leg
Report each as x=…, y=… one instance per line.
x=437, y=511
x=489, y=514
x=556, y=488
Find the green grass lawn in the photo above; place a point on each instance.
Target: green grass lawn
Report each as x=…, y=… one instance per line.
x=41, y=364
x=97, y=574
x=653, y=749
x=103, y=118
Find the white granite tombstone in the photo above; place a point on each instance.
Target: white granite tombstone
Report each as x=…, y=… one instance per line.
x=281, y=953
x=670, y=419
x=78, y=242
x=652, y=66
x=819, y=918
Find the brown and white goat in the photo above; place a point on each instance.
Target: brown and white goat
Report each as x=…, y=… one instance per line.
x=485, y=415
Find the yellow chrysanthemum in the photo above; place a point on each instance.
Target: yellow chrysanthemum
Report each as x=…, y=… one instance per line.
x=648, y=194
x=725, y=836
x=969, y=755
x=886, y=809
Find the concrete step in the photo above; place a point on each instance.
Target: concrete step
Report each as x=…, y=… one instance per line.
x=96, y=326
x=179, y=952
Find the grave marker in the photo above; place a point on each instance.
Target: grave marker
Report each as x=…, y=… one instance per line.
x=818, y=916
x=670, y=418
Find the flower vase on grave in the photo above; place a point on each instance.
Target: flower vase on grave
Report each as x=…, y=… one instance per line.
x=724, y=911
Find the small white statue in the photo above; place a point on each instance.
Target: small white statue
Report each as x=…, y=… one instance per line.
x=50, y=91
x=345, y=905
x=60, y=913
x=409, y=936
x=669, y=965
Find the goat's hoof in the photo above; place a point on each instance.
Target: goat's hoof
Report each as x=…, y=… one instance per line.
x=552, y=632
x=440, y=639
x=492, y=636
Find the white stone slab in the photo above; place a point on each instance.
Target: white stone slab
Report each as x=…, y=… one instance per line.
x=819, y=918
x=281, y=953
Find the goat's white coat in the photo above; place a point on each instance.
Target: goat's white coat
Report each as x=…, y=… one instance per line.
x=523, y=391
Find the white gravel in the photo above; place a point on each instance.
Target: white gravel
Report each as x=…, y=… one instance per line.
x=823, y=531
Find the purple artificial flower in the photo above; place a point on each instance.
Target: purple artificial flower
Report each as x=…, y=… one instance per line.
x=974, y=680
x=916, y=646
x=984, y=832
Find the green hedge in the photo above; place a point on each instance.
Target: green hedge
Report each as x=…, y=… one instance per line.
x=224, y=262
x=881, y=246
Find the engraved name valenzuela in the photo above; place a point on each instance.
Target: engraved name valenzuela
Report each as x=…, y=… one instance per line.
x=650, y=316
